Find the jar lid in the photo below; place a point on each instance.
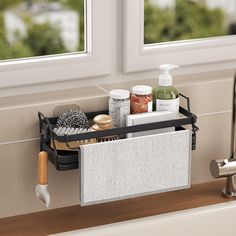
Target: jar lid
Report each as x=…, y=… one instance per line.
x=142, y=90
x=119, y=94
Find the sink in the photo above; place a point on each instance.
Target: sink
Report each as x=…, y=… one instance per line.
x=214, y=220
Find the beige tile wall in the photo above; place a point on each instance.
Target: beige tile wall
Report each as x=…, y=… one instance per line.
x=19, y=147
x=19, y=144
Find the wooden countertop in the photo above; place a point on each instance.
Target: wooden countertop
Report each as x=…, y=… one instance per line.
x=76, y=217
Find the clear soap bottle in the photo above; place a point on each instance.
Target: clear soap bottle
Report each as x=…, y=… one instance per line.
x=166, y=96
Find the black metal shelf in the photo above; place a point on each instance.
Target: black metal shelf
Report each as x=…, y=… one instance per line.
x=68, y=160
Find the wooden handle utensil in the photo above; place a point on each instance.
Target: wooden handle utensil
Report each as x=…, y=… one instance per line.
x=43, y=168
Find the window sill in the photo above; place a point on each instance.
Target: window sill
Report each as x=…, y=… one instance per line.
x=198, y=73
x=56, y=97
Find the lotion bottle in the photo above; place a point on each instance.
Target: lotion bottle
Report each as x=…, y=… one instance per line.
x=166, y=96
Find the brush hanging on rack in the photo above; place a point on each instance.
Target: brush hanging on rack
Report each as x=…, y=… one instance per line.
x=71, y=122
x=104, y=122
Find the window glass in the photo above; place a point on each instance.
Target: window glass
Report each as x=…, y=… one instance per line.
x=30, y=28
x=174, y=20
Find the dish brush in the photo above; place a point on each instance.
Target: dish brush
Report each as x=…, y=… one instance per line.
x=62, y=131
x=104, y=122
x=72, y=121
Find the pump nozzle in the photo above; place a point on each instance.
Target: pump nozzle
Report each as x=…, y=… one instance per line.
x=165, y=79
x=165, y=68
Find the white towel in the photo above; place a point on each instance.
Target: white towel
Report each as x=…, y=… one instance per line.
x=135, y=167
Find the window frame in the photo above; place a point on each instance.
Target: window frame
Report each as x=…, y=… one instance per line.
x=198, y=55
x=72, y=66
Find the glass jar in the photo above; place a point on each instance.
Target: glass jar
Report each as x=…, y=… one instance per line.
x=119, y=106
x=141, y=99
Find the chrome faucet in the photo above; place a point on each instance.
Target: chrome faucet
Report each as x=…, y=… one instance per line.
x=227, y=167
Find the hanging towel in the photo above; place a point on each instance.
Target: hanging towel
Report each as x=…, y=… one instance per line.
x=135, y=167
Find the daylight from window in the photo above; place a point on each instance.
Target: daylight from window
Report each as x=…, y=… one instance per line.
x=30, y=28
x=174, y=20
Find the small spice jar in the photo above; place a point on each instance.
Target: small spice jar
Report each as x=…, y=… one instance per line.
x=141, y=99
x=119, y=106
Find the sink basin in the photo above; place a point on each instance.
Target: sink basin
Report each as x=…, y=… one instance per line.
x=214, y=220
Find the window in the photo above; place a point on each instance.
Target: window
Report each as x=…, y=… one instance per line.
x=175, y=20
x=30, y=28
x=91, y=59
x=152, y=36
x=89, y=56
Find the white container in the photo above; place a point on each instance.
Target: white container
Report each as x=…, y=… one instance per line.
x=119, y=106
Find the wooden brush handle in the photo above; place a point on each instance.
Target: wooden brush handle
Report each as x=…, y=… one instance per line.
x=43, y=168
x=102, y=122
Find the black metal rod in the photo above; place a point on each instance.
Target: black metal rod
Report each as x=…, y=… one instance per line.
x=124, y=130
x=189, y=119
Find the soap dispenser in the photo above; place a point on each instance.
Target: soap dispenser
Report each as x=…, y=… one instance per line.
x=166, y=96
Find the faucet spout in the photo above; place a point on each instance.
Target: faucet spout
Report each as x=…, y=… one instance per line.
x=227, y=167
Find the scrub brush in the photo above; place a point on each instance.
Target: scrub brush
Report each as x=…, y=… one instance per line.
x=62, y=131
x=104, y=122
x=73, y=121
x=73, y=118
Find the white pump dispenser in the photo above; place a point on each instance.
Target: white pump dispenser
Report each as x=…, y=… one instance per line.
x=166, y=96
x=165, y=78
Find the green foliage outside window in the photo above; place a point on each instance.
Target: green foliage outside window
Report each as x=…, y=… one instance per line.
x=42, y=39
x=39, y=36
x=78, y=5
x=187, y=20
x=4, y=4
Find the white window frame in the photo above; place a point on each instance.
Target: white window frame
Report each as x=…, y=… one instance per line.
x=48, y=69
x=199, y=55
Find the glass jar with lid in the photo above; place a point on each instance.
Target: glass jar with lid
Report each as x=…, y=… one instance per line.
x=141, y=99
x=119, y=106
